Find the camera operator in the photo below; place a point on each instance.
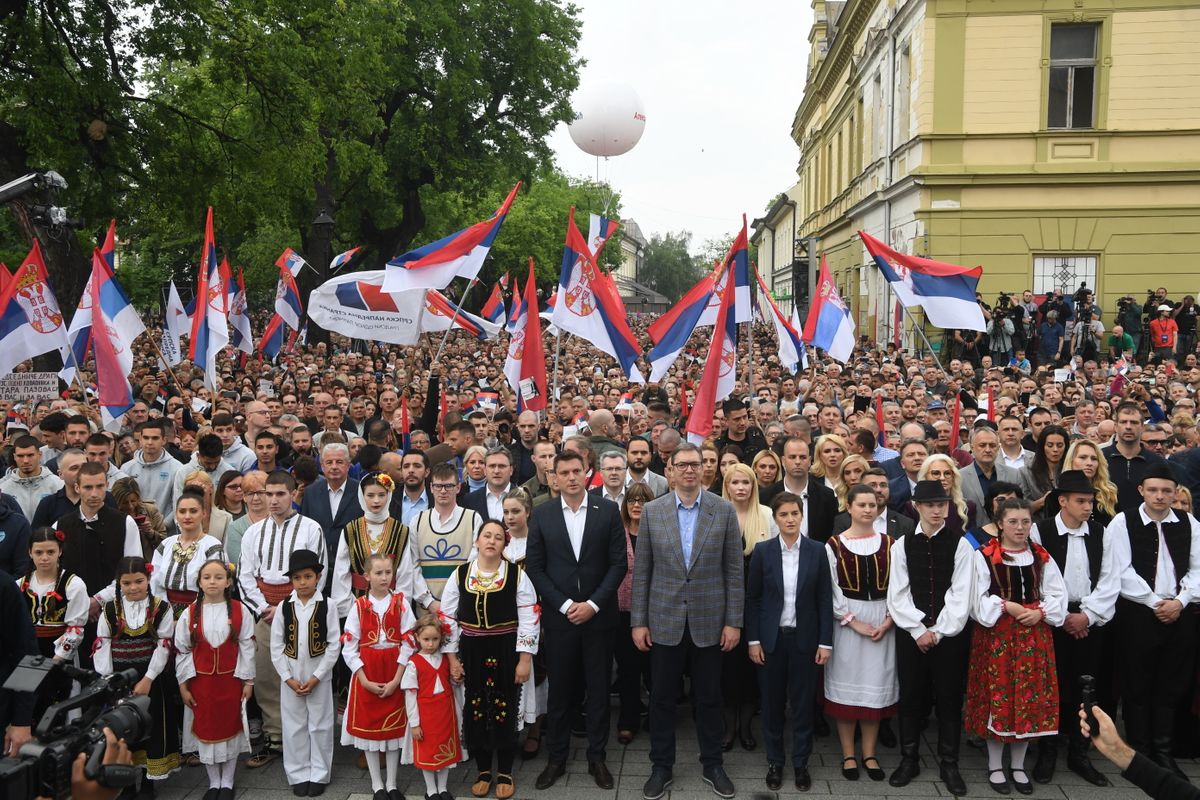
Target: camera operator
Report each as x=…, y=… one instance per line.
x=1001, y=330
x=1056, y=301
x=1155, y=781
x=967, y=346
x=1085, y=336
x=1129, y=318
x=1185, y=317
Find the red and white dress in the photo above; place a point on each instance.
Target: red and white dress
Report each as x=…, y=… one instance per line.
x=374, y=642
x=434, y=703
x=214, y=656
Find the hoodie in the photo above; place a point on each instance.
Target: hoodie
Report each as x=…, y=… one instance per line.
x=14, y=540
x=28, y=492
x=156, y=479
x=239, y=456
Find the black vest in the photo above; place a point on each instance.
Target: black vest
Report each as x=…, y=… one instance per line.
x=488, y=611
x=1016, y=584
x=318, y=635
x=92, y=551
x=1143, y=544
x=1056, y=546
x=930, y=570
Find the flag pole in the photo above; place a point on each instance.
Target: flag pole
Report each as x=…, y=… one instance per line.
x=557, y=343
x=457, y=307
x=166, y=364
x=921, y=332
x=79, y=377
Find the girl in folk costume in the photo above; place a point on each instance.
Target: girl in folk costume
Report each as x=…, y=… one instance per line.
x=58, y=604
x=860, y=678
x=518, y=507
x=493, y=637
x=375, y=650
x=135, y=631
x=177, y=559
x=375, y=532
x=214, y=643
x=434, y=707
x=1019, y=594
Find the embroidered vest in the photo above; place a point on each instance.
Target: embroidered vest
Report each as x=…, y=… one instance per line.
x=392, y=542
x=428, y=675
x=49, y=613
x=1143, y=545
x=930, y=570
x=222, y=659
x=134, y=647
x=487, y=611
x=863, y=577
x=376, y=630
x=1056, y=545
x=318, y=634
x=440, y=553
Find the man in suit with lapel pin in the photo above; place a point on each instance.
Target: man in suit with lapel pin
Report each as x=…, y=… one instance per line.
x=575, y=558
x=687, y=601
x=789, y=627
x=332, y=500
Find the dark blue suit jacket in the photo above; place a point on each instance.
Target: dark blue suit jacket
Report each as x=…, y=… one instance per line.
x=900, y=493
x=315, y=506
x=814, y=596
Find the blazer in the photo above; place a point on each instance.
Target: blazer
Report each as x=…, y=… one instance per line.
x=704, y=596
x=656, y=482
x=315, y=506
x=814, y=596
x=558, y=576
x=972, y=491
x=822, y=507
x=477, y=502
x=900, y=491
x=897, y=524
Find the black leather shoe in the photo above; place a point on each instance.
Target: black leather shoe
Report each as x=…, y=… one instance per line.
x=395, y=794
x=1083, y=767
x=316, y=789
x=1000, y=787
x=748, y=741
x=850, y=773
x=1167, y=762
x=774, y=777
x=876, y=772
x=300, y=789
x=1043, y=768
x=600, y=773
x=909, y=768
x=225, y=793
x=1025, y=786
x=656, y=786
x=803, y=779
x=953, y=780
x=719, y=781
x=887, y=737
x=553, y=771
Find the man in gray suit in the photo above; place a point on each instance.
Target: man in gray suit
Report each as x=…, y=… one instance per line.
x=688, y=597
x=639, y=467
x=974, y=478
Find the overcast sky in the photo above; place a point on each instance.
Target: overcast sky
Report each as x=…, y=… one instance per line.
x=720, y=83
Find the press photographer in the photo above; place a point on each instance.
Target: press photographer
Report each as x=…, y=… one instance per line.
x=1007, y=319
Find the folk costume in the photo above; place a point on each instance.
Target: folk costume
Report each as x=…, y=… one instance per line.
x=59, y=612
x=443, y=544
x=176, y=568
x=138, y=634
x=305, y=642
x=860, y=677
x=435, y=704
x=375, y=643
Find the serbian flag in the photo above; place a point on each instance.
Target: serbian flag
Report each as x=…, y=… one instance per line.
x=405, y=424
x=79, y=332
x=625, y=404
x=720, y=372
x=342, y=259
x=590, y=307
x=829, y=325
x=599, y=229
x=792, y=355
x=109, y=249
x=488, y=401
x=116, y=326
x=955, y=421
x=441, y=315
x=680, y=321
x=459, y=255
x=271, y=342
x=291, y=261
x=525, y=364
x=493, y=309
x=354, y=304
x=210, y=323
x=176, y=325
x=287, y=299
x=946, y=292
x=239, y=316
x=31, y=322
x=882, y=436
x=737, y=265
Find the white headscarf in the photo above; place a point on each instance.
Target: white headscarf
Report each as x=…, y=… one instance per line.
x=381, y=517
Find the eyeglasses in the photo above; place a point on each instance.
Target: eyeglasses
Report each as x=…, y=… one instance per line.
x=443, y=487
x=254, y=493
x=684, y=466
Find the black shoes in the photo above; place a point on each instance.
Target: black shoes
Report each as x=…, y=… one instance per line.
x=599, y=771
x=876, y=772
x=1000, y=787
x=316, y=789
x=395, y=794
x=1083, y=767
x=1024, y=787
x=887, y=737
x=850, y=773
x=719, y=781
x=656, y=786
x=803, y=779
x=953, y=780
x=1043, y=768
x=300, y=789
x=910, y=767
x=774, y=777
x=553, y=771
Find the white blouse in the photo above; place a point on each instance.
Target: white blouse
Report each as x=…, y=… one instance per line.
x=410, y=684
x=353, y=633
x=987, y=608
x=528, y=624
x=860, y=546
x=135, y=617
x=182, y=573
x=216, y=630
x=76, y=616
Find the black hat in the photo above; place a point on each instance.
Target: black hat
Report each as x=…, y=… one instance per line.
x=1160, y=470
x=1074, y=481
x=929, y=492
x=303, y=559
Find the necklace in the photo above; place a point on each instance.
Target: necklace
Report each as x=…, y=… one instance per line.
x=486, y=580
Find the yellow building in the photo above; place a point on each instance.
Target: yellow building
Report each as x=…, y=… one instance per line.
x=1054, y=142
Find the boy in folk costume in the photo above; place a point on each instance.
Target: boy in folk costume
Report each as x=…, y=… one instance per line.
x=304, y=648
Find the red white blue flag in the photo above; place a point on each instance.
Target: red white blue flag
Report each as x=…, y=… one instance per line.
x=493, y=309
x=356, y=305
x=210, y=323
x=792, y=356
x=116, y=325
x=459, y=255
x=525, y=364
x=287, y=299
x=945, y=291
x=271, y=342
x=720, y=372
x=239, y=316
x=439, y=312
x=342, y=259
x=79, y=332
x=290, y=260
x=31, y=322
x=829, y=325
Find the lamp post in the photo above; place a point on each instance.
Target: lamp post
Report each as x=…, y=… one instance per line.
x=322, y=253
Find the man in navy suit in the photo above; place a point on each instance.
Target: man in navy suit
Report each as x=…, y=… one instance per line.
x=789, y=628
x=488, y=501
x=332, y=501
x=913, y=453
x=576, y=560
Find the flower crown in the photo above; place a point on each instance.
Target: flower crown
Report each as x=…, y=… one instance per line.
x=385, y=481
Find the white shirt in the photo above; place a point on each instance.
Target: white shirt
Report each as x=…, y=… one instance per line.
x=266, y=548
x=304, y=666
x=791, y=570
x=132, y=548
x=575, y=522
x=1100, y=603
x=987, y=608
x=617, y=498
x=957, y=607
x=1135, y=589
x=135, y=617
x=802, y=493
x=335, y=498
x=1016, y=463
x=495, y=500
x=879, y=524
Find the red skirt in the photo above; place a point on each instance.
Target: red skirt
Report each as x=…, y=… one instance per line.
x=217, y=715
x=439, y=746
x=369, y=716
x=1011, y=690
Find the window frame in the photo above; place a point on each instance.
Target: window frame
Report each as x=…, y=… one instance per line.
x=1103, y=60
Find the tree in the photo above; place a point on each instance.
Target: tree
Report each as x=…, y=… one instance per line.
x=668, y=268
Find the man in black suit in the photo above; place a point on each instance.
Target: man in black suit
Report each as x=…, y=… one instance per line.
x=889, y=521
x=488, y=502
x=576, y=560
x=819, y=502
x=332, y=501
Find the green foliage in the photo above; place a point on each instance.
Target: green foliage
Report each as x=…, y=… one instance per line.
x=668, y=268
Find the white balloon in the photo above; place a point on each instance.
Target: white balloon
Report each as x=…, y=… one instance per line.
x=609, y=120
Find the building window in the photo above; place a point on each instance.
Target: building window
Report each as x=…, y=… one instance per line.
x=1064, y=271
x=1072, y=76
x=903, y=95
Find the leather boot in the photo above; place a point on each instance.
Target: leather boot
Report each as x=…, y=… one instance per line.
x=1043, y=768
x=949, y=734
x=1162, y=733
x=910, y=753
x=1137, y=725
x=1079, y=763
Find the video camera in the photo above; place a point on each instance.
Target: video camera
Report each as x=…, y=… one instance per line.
x=43, y=768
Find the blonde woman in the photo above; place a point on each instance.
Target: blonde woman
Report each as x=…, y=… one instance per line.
x=1088, y=458
x=828, y=453
x=473, y=470
x=942, y=468
x=768, y=468
x=849, y=475
x=738, y=681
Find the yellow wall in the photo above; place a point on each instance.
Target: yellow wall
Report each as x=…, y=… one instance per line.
x=1155, y=75
x=1003, y=74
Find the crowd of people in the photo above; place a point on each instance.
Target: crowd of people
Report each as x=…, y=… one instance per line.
x=352, y=545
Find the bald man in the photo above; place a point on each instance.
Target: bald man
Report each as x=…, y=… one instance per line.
x=522, y=449
x=604, y=432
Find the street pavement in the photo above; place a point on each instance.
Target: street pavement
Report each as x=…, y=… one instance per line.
x=630, y=767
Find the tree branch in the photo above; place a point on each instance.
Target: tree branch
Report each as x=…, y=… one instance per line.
x=221, y=135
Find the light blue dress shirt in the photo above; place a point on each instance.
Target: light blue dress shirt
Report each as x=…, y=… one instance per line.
x=687, y=516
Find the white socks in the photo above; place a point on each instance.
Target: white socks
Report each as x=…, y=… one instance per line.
x=220, y=776
x=214, y=775
x=393, y=766
x=443, y=779
x=373, y=768
x=1016, y=754
x=1016, y=758
x=431, y=782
